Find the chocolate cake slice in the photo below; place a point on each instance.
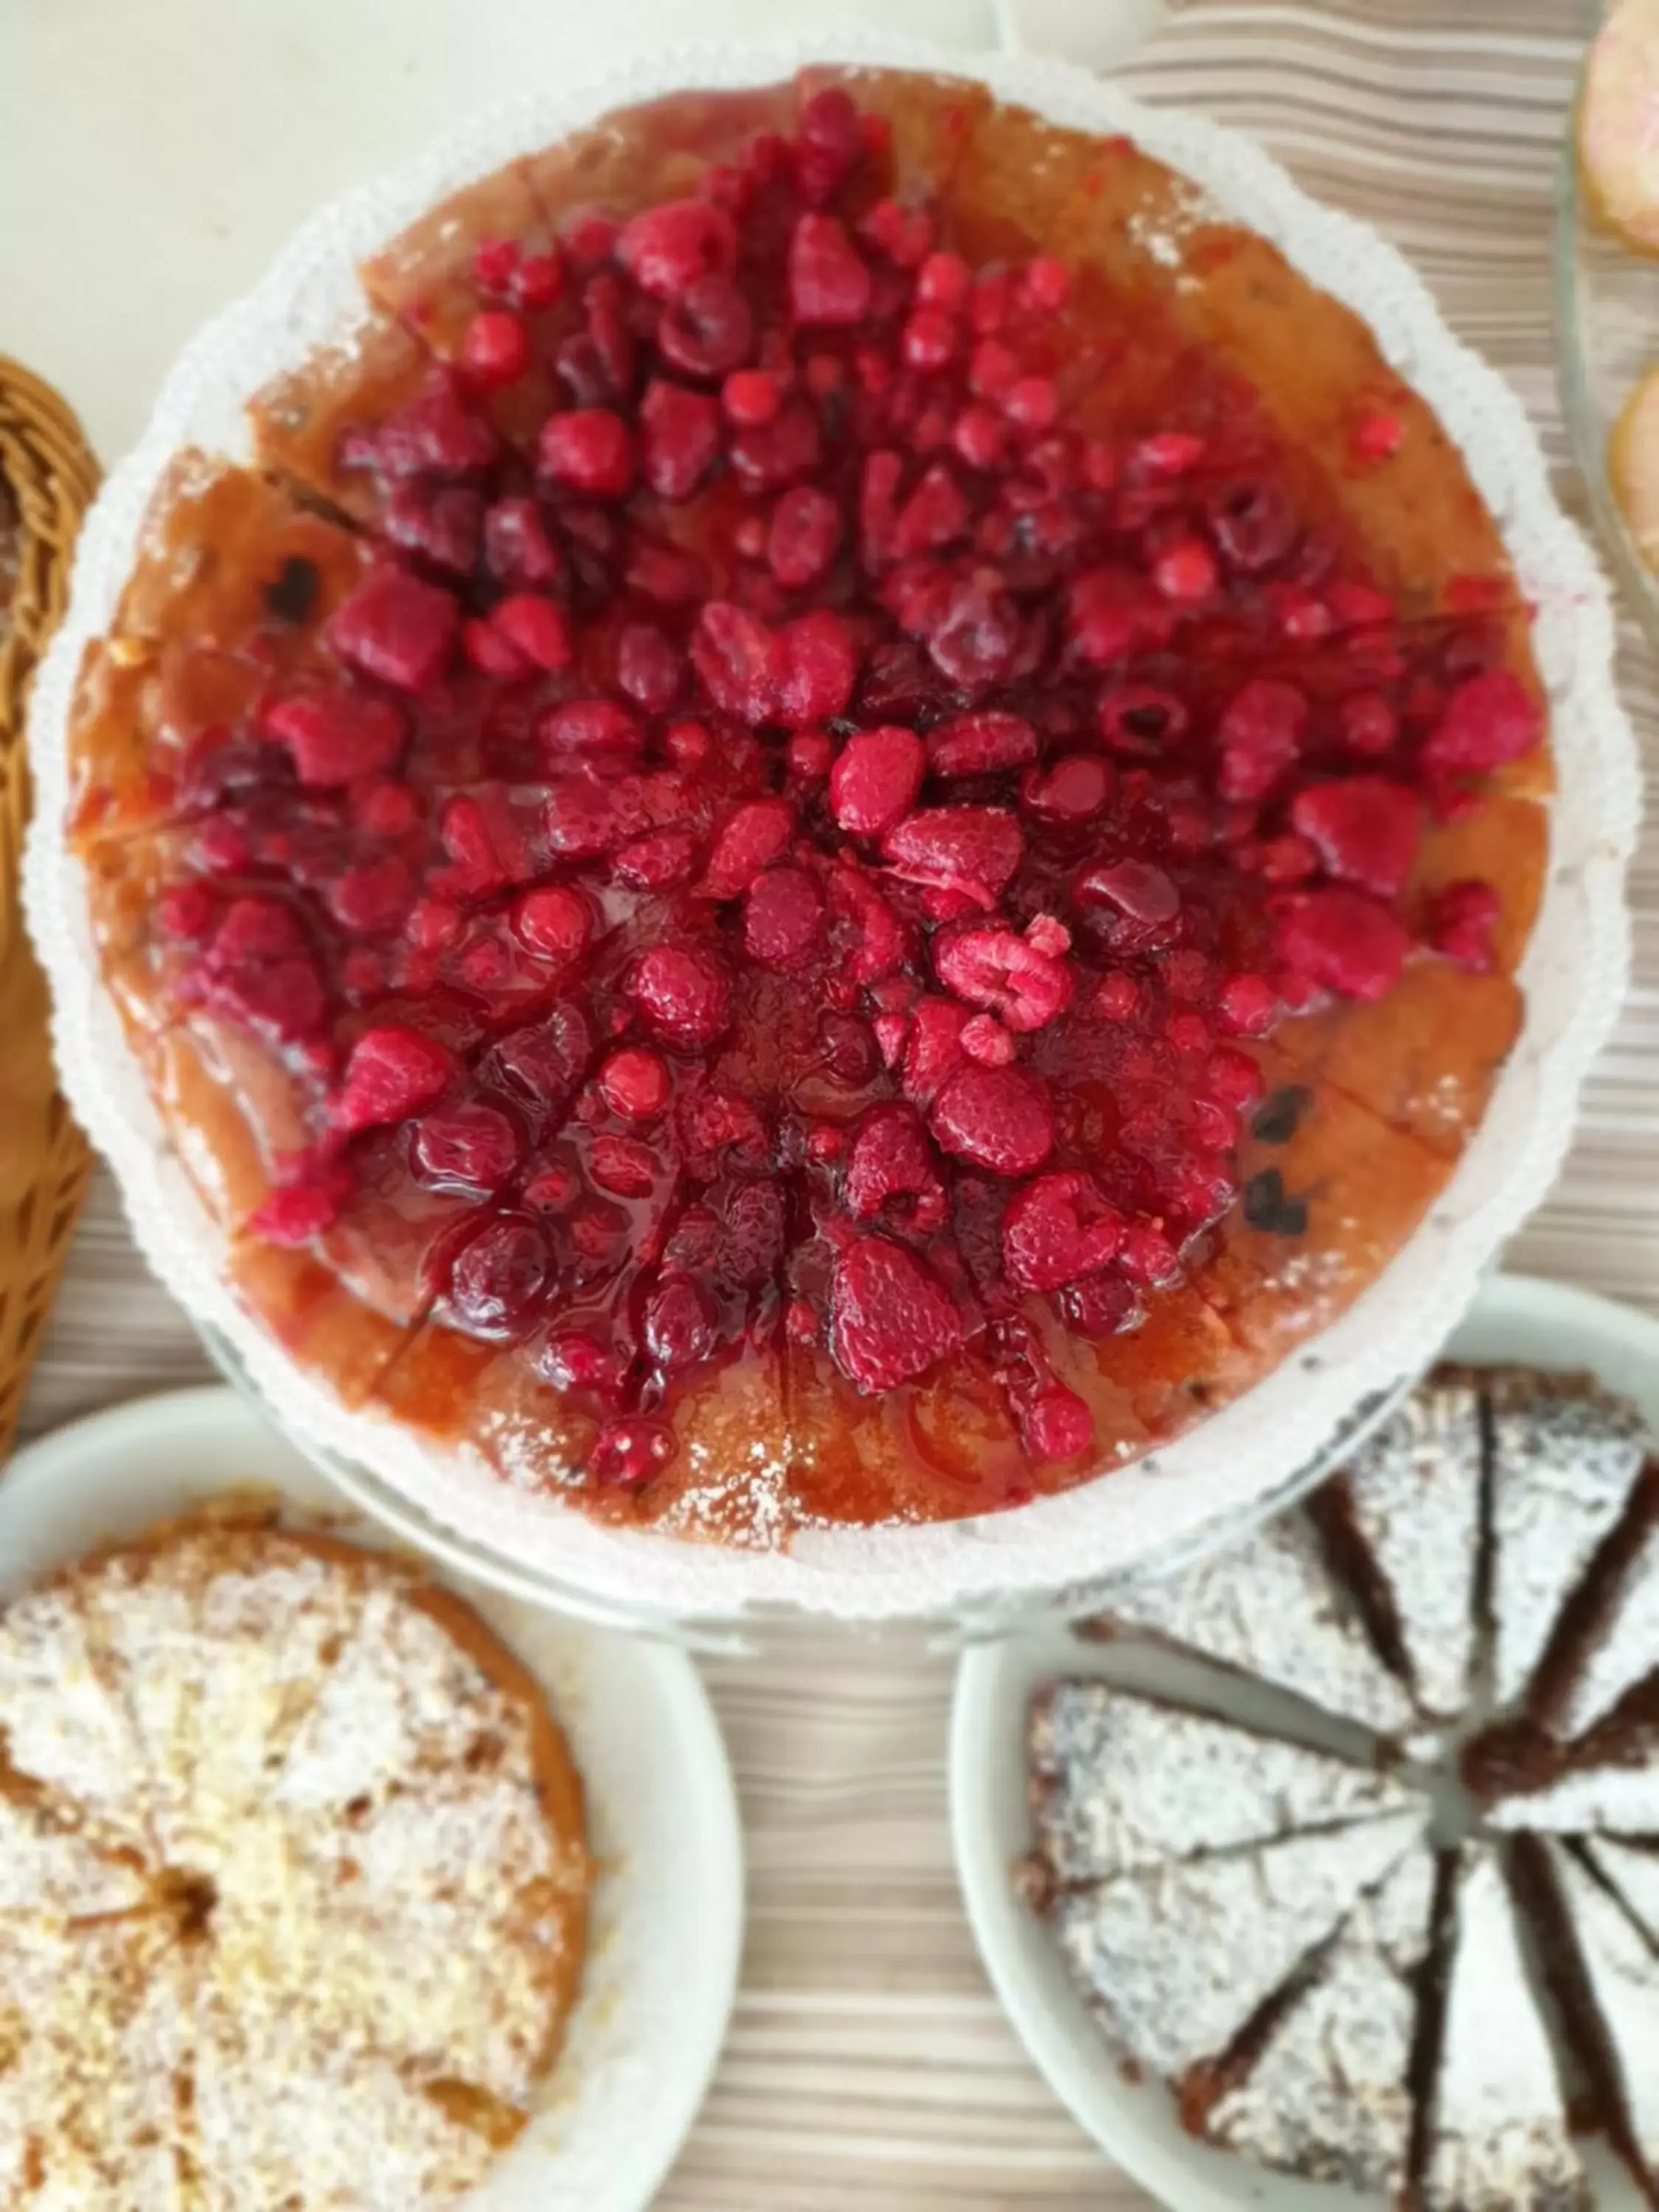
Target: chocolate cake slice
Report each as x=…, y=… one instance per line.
x=1495, y=2136
x=1403, y=1523
x=1121, y=1782
x=1272, y=1609
x=1609, y=1635
x=1324, y=2091
x=1175, y=1962
x=1565, y=1456
x=1606, y=1978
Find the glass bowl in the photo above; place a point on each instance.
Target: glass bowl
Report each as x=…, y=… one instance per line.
x=1607, y=336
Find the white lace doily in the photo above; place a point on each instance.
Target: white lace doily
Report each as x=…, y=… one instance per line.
x=1574, y=973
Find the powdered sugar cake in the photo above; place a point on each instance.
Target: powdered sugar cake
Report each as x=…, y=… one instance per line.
x=1498, y=2139
x=1607, y=1981
x=1121, y=1782
x=1567, y=1455
x=1323, y=2088
x=1405, y=1515
x=766, y=880
x=335, y=1966
x=1175, y=1962
x=1633, y=1871
x=1270, y=1608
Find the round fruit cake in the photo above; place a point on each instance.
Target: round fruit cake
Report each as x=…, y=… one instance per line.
x=295, y=1880
x=836, y=831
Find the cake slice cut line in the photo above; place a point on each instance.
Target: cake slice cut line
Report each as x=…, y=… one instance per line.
x=1404, y=1519
x=1566, y=1456
x=1323, y=2089
x=1174, y=1962
x=1607, y=1981
x=1607, y=1640
x=1123, y=1782
x=1498, y=2137
x=1270, y=1609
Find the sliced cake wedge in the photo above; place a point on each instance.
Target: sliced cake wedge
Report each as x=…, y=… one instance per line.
x=1608, y=1637
x=1173, y=1962
x=1121, y=1782
x=1605, y=1975
x=1495, y=2136
x=1403, y=1523
x=1566, y=1455
x=1271, y=1608
x=1323, y=2088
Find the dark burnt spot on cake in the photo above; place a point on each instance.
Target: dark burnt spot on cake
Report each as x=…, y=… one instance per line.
x=291, y=594
x=1276, y=1119
x=1271, y=1208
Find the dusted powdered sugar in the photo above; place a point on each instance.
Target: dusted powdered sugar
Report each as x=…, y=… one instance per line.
x=1414, y=1496
x=1565, y=1457
x=403, y=1698
x=63, y=1725
x=52, y=1868
x=284, y=2118
x=348, y=1872
x=1625, y=1799
x=1623, y=1973
x=1329, y=2096
x=1498, y=2139
x=1271, y=1608
x=1634, y=1873
x=1173, y=1962
x=94, y=2030
x=218, y=1641
x=1121, y=1782
x=1627, y=1645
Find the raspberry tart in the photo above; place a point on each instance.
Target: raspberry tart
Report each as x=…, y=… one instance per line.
x=836, y=832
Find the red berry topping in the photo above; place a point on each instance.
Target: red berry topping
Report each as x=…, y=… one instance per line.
x=892, y=1319
x=795, y=844
x=392, y=1073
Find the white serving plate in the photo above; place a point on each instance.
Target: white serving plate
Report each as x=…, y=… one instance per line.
x=666, y=1929
x=1516, y=1317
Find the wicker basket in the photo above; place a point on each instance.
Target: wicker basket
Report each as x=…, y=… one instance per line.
x=47, y=477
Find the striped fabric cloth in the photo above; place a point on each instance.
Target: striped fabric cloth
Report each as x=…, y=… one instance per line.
x=868, y=2062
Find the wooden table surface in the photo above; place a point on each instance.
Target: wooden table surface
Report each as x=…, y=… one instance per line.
x=868, y=2064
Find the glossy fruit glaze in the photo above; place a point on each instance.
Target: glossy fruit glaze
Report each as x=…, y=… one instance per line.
x=807, y=859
